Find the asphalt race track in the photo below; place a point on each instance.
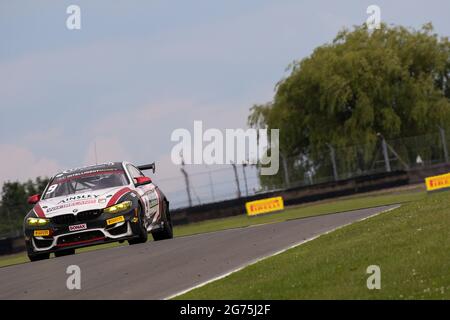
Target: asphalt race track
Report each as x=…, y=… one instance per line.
x=156, y=270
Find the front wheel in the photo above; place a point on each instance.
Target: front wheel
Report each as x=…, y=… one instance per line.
x=142, y=234
x=167, y=229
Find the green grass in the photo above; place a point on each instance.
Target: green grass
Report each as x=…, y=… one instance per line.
x=307, y=210
x=411, y=245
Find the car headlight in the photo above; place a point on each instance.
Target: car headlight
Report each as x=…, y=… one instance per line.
x=37, y=221
x=120, y=207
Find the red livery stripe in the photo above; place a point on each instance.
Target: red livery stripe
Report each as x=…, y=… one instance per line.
x=39, y=212
x=117, y=196
x=79, y=242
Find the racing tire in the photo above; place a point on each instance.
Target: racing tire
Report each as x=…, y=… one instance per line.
x=66, y=252
x=38, y=257
x=142, y=234
x=167, y=231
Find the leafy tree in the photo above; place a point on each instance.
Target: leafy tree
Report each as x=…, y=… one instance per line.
x=393, y=81
x=14, y=205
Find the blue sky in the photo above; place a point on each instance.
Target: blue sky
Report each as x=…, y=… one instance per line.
x=137, y=70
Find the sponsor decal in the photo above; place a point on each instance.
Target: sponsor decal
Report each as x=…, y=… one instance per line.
x=72, y=204
x=153, y=203
x=79, y=197
x=115, y=220
x=89, y=167
x=264, y=206
x=41, y=233
x=438, y=182
x=89, y=173
x=78, y=227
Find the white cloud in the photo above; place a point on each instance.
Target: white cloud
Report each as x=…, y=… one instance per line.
x=51, y=137
x=20, y=164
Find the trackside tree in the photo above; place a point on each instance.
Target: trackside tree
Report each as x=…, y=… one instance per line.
x=367, y=84
x=13, y=204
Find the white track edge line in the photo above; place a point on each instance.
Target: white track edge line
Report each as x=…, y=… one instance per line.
x=273, y=254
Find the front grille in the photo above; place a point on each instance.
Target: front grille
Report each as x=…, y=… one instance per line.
x=83, y=216
x=80, y=237
x=64, y=219
x=88, y=215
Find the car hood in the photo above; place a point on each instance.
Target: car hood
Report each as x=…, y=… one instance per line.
x=91, y=200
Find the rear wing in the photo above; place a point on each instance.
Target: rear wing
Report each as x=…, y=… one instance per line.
x=150, y=166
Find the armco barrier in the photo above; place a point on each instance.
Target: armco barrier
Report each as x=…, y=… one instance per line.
x=12, y=244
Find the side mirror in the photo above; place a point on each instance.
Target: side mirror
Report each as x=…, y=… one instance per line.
x=140, y=181
x=34, y=199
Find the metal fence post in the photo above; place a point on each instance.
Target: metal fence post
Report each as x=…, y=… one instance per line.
x=237, y=180
x=245, y=178
x=188, y=190
x=385, y=154
x=285, y=171
x=333, y=162
x=211, y=185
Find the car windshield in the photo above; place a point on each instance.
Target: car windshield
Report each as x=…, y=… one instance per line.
x=87, y=181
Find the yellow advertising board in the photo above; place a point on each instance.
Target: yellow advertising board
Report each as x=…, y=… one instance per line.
x=264, y=206
x=438, y=182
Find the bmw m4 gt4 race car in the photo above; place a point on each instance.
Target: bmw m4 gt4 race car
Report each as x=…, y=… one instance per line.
x=93, y=205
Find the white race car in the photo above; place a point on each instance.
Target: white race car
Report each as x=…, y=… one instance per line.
x=96, y=204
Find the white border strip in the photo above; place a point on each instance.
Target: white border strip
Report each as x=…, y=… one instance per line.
x=274, y=254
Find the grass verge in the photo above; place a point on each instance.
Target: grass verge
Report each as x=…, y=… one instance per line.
x=411, y=246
